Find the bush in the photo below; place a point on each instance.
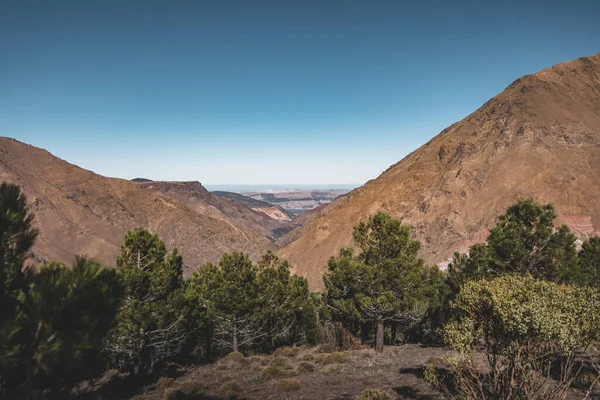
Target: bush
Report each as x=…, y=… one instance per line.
x=374, y=394
x=307, y=367
x=281, y=362
x=273, y=371
x=230, y=390
x=172, y=394
x=289, y=385
x=164, y=382
x=531, y=330
x=192, y=388
x=235, y=356
x=284, y=352
x=333, y=358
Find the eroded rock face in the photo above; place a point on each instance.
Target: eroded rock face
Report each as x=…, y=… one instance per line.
x=539, y=138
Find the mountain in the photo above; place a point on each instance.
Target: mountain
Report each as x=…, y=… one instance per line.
x=80, y=212
x=273, y=211
x=252, y=221
x=539, y=138
x=140, y=180
x=297, y=201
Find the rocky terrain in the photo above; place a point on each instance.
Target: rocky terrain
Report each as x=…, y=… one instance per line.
x=238, y=214
x=272, y=210
x=539, y=138
x=80, y=212
x=296, y=202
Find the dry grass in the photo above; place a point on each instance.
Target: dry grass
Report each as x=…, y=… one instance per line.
x=164, y=382
x=333, y=358
x=374, y=394
x=307, y=367
x=289, y=385
x=284, y=352
x=230, y=390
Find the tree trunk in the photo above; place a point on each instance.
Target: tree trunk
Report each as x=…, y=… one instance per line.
x=394, y=331
x=379, y=338
x=235, y=342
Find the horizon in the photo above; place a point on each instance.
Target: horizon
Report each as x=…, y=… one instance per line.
x=233, y=93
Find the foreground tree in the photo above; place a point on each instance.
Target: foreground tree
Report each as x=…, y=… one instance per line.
x=151, y=324
x=524, y=241
x=17, y=236
x=387, y=282
x=66, y=315
x=531, y=330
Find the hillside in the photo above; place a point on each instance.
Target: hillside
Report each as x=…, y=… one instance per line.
x=273, y=211
x=80, y=212
x=539, y=138
x=251, y=221
x=297, y=201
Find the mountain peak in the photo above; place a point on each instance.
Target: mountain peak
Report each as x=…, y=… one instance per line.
x=539, y=138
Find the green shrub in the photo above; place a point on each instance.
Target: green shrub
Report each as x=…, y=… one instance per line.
x=527, y=326
x=374, y=394
x=289, y=385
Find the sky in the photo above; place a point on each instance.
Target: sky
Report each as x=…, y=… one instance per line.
x=265, y=92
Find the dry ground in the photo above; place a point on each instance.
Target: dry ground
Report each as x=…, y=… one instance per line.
x=302, y=373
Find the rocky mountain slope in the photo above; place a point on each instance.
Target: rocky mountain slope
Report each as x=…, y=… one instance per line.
x=296, y=201
x=273, y=211
x=80, y=212
x=195, y=196
x=539, y=138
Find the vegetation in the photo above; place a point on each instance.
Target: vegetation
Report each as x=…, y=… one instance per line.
x=526, y=295
x=386, y=283
x=532, y=331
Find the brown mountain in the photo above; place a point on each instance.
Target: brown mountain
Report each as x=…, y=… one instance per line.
x=195, y=196
x=539, y=138
x=80, y=212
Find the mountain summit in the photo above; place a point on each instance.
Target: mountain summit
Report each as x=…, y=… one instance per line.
x=539, y=138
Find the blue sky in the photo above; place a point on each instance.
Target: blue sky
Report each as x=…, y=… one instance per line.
x=247, y=92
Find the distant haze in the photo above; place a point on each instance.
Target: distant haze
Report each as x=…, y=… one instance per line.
x=263, y=187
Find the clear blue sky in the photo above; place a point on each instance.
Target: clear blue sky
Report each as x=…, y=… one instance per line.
x=245, y=92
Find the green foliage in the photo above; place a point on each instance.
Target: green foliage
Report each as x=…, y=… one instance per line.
x=524, y=241
x=589, y=263
x=386, y=282
x=527, y=326
x=52, y=322
x=151, y=325
x=250, y=305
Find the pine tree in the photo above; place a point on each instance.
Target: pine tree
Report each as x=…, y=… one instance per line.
x=150, y=326
x=524, y=241
x=386, y=282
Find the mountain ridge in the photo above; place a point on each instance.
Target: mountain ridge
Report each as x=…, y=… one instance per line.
x=80, y=212
x=524, y=142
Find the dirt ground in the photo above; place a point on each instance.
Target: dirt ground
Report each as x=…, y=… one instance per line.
x=291, y=373
x=304, y=374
